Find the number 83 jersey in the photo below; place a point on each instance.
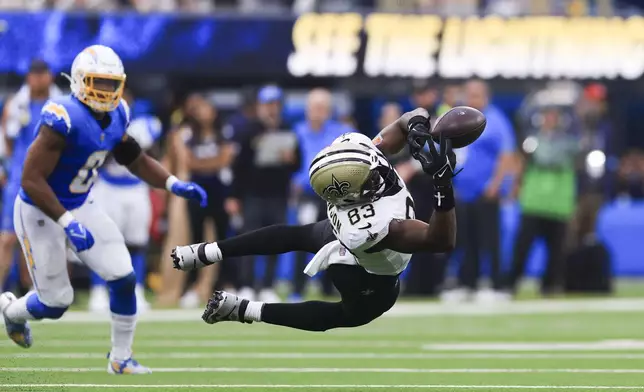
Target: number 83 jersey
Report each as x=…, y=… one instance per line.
x=360, y=228
x=87, y=146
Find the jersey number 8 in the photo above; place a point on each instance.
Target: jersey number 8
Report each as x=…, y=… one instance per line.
x=88, y=174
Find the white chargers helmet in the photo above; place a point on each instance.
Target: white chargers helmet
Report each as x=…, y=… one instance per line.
x=98, y=78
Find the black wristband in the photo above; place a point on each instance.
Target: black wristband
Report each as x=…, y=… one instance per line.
x=443, y=198
x=416, y=120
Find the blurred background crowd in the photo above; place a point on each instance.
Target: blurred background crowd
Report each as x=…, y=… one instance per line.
x=553, y=189
x=440, y=7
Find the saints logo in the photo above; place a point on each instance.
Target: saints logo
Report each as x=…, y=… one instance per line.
x=337, y=188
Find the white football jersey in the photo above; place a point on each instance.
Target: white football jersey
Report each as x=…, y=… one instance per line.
x=359, y=228
x=145, y=130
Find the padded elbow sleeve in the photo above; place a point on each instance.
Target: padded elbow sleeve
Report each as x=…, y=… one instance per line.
x=127, y=151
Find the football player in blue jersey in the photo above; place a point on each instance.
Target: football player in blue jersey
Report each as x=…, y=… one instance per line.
x=126, y=199
x=21, y=115
x=54, y=211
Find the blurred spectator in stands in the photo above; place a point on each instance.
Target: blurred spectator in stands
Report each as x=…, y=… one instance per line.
x=507, y=8
x=316, y=132
x=303, y=6
x=247, y=113
x=424, y=95
x=487, y=163
x=547, y=196
x=178, y=228
x=596, y=134
x=451, y=98
x=154, y=5
x=630, y=177
x=268, y=157
x=264, y=6
x=450, y=7
x=22, y=114
x=236, y=125
x=90, y=5
x=208, y=158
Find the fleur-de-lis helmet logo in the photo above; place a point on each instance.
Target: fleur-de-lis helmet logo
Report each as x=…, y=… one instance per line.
x=337, y=188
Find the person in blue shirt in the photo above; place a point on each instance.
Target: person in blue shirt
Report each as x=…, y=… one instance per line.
x=489, y=161
x=316, y=132
x=126, y=199
x=21, y=115
x=54, y=211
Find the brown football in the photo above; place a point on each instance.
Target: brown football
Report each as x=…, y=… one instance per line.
x=461, y=124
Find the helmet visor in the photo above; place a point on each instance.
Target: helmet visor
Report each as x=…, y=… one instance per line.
x=104, y=89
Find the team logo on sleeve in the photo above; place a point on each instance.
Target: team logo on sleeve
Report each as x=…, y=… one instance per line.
x=53, y=112
x=337, y=188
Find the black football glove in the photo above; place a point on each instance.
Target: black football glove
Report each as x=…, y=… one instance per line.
x=438, y=164
x=418, y=134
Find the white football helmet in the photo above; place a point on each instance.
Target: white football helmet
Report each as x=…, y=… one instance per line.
x=98, y=78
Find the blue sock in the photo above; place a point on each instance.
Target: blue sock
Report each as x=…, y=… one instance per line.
x=95, y=280
x=40, y=311
x=138, y=263
x=122, y=296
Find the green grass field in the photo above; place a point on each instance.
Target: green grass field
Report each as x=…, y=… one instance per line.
x=530, y=345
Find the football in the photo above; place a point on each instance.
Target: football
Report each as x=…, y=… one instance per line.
x=461, y=124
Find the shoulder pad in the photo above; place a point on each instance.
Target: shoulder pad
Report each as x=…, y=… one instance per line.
x=155, y=127
x=145, y=130
x=56, y=116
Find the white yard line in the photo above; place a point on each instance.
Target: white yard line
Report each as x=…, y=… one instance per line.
x=417, y=310
x=602, y=345
x=325, y=370
x=223, y=343
x=487, y=347
x=320, y=386
x=335, y=356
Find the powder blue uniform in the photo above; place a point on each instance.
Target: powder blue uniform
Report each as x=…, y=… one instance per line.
x=43, y=241
x=123, y=196
x=21, y=124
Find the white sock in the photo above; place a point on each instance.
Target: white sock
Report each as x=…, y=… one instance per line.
x=17, y=310
x=123, y=328
x=213, y=253
x=140, y=291
x=98, y=289
x=254, y=311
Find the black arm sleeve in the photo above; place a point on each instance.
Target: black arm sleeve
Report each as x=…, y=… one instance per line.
x=127, y=151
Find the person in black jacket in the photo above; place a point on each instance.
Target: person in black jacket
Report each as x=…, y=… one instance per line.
x=268, y=156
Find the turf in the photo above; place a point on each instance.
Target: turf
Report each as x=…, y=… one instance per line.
x=411, y=349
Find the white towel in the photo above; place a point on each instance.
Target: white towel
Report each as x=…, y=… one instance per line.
x=332, y=253
x=18, y=110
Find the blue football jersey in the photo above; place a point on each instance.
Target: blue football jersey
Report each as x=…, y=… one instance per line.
x=87, y=147
x=146, y=130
